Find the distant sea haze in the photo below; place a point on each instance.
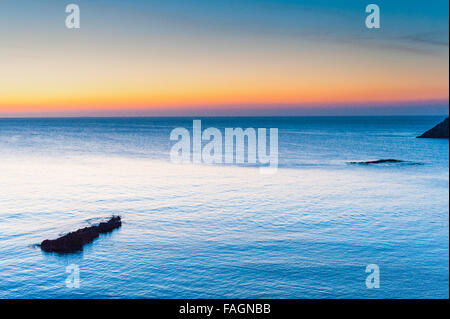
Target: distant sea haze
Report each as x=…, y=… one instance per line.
x=226, y=231
x=436, y=107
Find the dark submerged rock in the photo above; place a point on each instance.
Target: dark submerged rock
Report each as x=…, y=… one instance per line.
x=380, y=161
x=75, y=241
x=439, y=131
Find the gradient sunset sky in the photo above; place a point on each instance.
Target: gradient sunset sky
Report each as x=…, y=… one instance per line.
x=246, y=57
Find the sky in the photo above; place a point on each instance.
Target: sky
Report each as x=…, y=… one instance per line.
x=208, y=57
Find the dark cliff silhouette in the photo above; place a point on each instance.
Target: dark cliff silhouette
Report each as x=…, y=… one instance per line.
x=439, y=131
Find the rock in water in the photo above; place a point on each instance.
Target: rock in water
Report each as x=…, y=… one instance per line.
x=439, y=131
x=380, y=161
x=75, y=241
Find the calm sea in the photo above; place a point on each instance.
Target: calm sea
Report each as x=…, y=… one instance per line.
x=223, y=231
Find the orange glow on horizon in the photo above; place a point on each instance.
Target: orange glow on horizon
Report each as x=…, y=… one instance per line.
x=123, y=100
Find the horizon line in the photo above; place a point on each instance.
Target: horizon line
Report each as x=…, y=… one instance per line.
x=212, y=116
x=435, y=107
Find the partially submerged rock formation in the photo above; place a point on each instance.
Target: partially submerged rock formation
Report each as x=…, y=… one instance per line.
x=385, y=161
x=75, y=241
x=380, y=161
x=439, y=131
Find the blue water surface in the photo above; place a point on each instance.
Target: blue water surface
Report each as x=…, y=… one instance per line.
x=226, y=231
